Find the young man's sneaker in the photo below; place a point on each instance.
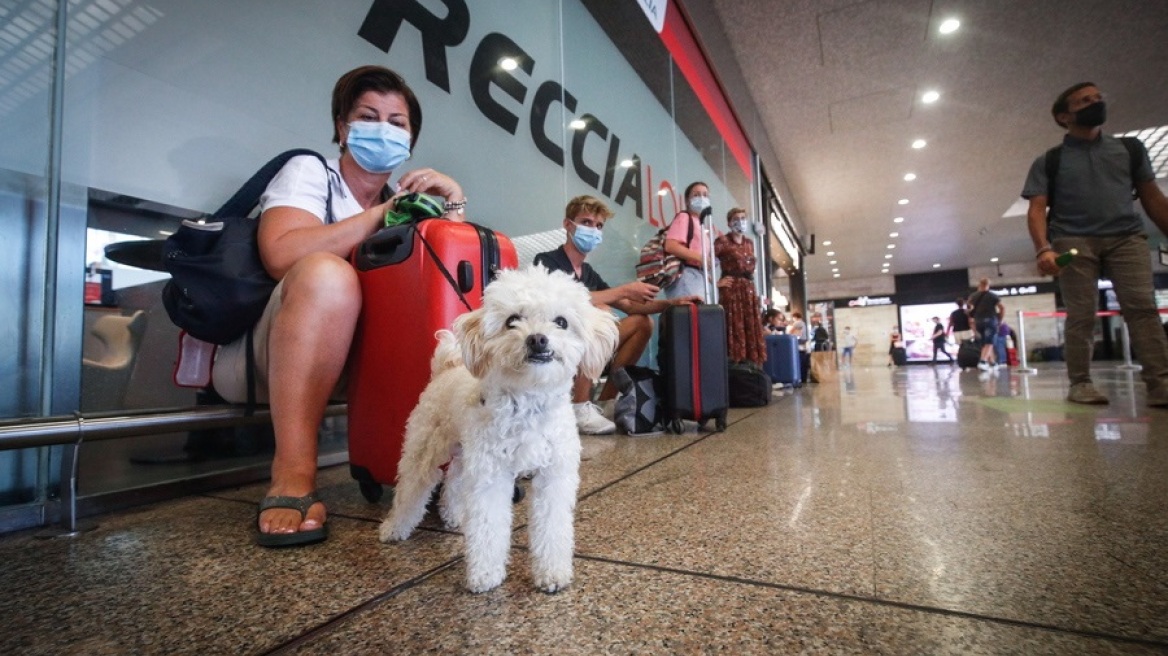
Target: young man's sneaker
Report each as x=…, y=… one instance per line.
x=1087, y=394
x=983, y=365
x=590, y=421
x=1158, y=398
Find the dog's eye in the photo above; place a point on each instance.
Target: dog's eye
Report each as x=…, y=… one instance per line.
x=512, y=320
x=561, y=322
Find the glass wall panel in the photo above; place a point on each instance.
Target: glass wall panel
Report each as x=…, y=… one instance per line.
x=169, y=105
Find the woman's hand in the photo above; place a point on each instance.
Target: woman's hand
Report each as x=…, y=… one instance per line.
x=429, y=181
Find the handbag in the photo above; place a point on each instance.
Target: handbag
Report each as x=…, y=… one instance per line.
x=219, y=287
x=637, y=410
x=657, y=267
x=823, y=367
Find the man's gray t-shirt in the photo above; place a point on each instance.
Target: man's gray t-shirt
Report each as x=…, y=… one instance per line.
x=1093, y=188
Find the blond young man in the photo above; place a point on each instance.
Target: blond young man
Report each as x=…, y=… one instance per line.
x=584, y=219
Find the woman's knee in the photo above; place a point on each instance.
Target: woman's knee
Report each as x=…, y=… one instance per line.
x=324, y=281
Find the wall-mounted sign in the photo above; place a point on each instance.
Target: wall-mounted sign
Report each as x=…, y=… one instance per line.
x=865, y=301
x=1025, y=290
x=655, y=12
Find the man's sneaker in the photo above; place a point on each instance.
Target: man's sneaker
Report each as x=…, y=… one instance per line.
x=1087, y=394
x=983, y=365
x=590, y=421
x=1158, y=398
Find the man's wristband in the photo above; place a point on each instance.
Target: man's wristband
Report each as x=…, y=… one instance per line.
x=1044, y=249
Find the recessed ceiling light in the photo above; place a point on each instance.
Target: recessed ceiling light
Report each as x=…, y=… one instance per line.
x=835, y=275
x=902, y=201
x=993, y=259
x=891, y=246
x=899, y=219
x=919, y=143
x=888, y=256
x=930, y=97
x=936, y=265
x=627, y=163
x=830, y=253
x=909, y=177
x=835, y=270
x=508, y=64
x=578, y=124
x=827, y=242
x=894, y=235
x=949, y=26
x=833, y=262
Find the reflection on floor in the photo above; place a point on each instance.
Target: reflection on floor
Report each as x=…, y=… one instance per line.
x=913, y=510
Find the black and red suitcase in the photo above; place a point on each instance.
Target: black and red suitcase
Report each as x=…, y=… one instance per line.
x=407, y=298
x=692, y=354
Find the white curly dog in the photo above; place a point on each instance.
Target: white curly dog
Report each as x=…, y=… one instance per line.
x=499, y=405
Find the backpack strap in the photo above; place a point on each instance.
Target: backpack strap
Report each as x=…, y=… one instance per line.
x=1135, y=153
x=248, y=196
x=1053, y=157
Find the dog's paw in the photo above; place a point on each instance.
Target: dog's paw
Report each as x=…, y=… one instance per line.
x=389, y=533
x=479, y=584
x=552, y=585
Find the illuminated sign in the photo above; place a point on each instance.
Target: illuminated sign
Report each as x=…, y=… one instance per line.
x=1016, y=291
x=865, y=301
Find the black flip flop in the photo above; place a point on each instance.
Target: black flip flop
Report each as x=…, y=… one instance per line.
x=298, y=538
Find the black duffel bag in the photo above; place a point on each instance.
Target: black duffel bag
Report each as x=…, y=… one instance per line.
x=750, y=386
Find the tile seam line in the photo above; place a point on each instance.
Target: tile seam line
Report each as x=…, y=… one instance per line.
x=933, y=610
x=338, y=620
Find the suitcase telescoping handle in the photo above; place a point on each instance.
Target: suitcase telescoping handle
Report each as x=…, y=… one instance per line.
x=709, y=288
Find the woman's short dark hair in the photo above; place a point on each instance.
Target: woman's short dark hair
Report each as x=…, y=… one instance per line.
x=691, y=188
x=1061, y=103
x=356, y=82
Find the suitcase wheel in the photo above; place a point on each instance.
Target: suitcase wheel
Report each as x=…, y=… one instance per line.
x=675, y=426
x=720, y=422
x=371, y=490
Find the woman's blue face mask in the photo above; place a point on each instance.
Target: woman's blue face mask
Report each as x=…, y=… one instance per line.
x=378, y=147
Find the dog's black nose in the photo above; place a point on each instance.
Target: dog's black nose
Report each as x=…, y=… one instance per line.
x=537, y=343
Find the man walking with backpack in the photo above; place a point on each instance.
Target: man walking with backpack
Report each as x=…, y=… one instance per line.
x=1088, y=184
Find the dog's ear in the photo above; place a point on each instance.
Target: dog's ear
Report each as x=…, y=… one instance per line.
x=600, y=331
x=468, y=330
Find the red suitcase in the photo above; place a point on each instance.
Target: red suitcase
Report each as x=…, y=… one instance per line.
x=406, y=299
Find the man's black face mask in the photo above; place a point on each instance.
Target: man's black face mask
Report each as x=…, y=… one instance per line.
x=1092, y=115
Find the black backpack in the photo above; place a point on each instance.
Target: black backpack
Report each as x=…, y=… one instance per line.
x=1135, y=152
x=218, y=287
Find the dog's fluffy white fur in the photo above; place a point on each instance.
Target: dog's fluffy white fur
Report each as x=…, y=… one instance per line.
x=499, y=405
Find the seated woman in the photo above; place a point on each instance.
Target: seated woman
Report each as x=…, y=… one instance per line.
x=302, y=340
x=774, y=323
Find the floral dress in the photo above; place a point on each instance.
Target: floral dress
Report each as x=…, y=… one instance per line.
x=736, y=294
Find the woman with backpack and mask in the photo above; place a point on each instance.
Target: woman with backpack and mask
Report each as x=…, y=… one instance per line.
x=312, y=215
x=684, y=239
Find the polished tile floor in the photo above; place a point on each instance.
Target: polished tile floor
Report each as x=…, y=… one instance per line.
x=917, y=510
